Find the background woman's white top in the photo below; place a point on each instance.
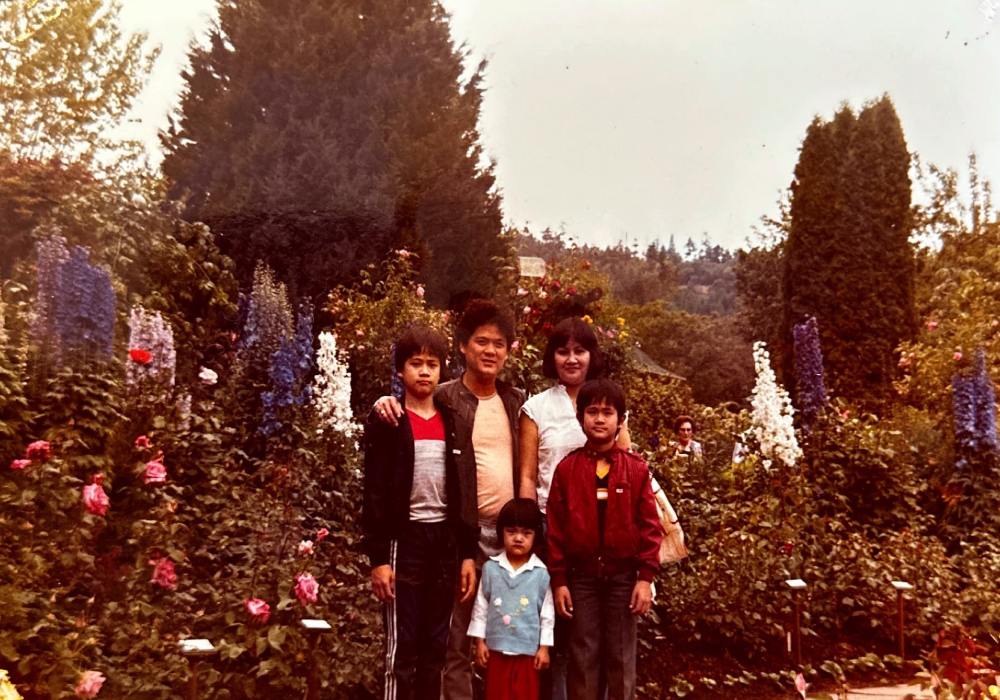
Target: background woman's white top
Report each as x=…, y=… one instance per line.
x=559, y=433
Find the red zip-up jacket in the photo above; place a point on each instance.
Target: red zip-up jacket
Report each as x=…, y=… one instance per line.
x=631, y=527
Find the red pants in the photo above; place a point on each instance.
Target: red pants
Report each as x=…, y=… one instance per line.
x=511, y=677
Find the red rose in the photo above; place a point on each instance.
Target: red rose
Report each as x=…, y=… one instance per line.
x=140, y=356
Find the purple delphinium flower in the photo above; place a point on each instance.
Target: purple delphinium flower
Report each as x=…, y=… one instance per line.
x=51, y=253
x=809, y=385
x=986, y=412
x=963, y=401
x=290, y=371
x=84, y=318
x=395, y=383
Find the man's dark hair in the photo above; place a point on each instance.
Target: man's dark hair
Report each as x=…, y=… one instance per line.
x=573, y=329
x=520, y=512
x=483, y=312
x=417, y=339
x=600, y=390
x=681, y=420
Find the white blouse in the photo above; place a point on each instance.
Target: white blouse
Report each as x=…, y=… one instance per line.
x=559, y=433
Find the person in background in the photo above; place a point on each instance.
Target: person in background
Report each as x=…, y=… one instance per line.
x=686, y=445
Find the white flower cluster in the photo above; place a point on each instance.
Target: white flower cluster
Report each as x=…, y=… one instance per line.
x=331, y=389
x=772, y=413
x=148, y=331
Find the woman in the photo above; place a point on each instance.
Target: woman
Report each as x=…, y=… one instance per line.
x=686, y=445
x=548, y=427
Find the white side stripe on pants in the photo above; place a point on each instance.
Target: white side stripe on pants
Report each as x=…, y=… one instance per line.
x=390, y=633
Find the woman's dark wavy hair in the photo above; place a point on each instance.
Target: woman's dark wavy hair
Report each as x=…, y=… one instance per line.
x=573, y=329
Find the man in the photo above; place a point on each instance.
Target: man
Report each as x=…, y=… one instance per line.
x=485, y=412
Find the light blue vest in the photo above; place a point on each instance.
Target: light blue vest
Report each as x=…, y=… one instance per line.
x=515, y=606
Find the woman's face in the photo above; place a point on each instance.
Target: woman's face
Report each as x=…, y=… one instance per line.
x=685, y=432
x=572, y=361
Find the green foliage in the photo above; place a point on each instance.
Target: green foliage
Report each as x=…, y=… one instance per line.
x=67, y=75
x=850, y=224
x=316, y=134
x=368, y=318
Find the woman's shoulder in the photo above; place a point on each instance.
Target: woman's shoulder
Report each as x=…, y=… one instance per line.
x=546, y=401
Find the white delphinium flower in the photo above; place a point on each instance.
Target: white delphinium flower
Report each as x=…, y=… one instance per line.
x=150, y=332
x=331, y=389
x=772, y=413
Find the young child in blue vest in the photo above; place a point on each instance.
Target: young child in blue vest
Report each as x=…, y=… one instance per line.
x=513, y=616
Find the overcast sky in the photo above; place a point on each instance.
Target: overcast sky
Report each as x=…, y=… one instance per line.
x=646, y=118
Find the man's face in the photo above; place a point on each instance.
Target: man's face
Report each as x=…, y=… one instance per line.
x=421, y=373
x=485, y=352
x=600, y=422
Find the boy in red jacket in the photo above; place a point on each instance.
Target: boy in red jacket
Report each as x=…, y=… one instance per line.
x=604, y=539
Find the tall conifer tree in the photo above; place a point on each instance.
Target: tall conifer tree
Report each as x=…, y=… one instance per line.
x=315, y=134
x=848, y=260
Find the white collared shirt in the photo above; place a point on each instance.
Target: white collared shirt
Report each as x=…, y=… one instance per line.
x=547, y=617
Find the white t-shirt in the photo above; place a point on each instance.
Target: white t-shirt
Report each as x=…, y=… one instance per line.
x=559, y=433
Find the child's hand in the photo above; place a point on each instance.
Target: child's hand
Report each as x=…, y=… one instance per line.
x=482, y=652
x=564, y=601
x=642, y=598
x=542, y=659
x=384, y=582
x=467, y=580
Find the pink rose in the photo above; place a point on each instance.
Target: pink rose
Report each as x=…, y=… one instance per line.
x=526, y=310
x=95, y=500
x=322, y=534
x=39, y=449
x=164, y=574
x=506, y=619
x=89, y=684
x=258, y=610
x=932, y=326
x=306, y=589
x=515, y=345
x=420, y=291
x=957, y=357
x=156, y=471
x=20, y=463
x=142, y=443
x=305, y=548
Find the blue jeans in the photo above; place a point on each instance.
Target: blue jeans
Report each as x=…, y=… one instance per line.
x=603, y=635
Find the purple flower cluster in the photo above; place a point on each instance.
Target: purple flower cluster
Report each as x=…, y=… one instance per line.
x=75, y=304
x=291, y=367
x=974, y=407
x=396, y=387
x=809, y=385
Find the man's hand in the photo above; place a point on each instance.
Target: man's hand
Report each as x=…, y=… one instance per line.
x=642, y=598
x=482, y=654
x=384, y=582
x=467, y=580
x=388, y=410
x=542, y=659
x=563, y=601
